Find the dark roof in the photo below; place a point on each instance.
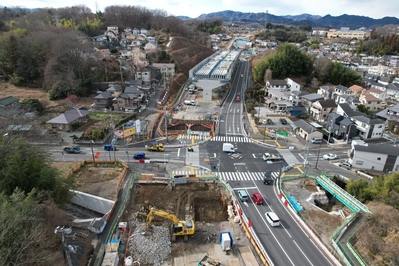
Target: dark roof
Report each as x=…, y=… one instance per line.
x=346, y=121
x=349, y=111
x=128, y=96
x=68, y=117
x=277, y=82
x=114, y=88
x=335, y=116
x=378, y=148
x=367, y=120
x=327, y=103
x=326, y=88
x=103, y=95
x=340, y=87
x=305, y=126
x=313, y=97
x=135, y=82
x=132, y=90
x=8, y=100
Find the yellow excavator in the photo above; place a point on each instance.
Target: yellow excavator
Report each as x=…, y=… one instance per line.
x=179, y=228
x=155, y=147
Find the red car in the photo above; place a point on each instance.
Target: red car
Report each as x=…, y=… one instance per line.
x=257, y=197
x=238, y=98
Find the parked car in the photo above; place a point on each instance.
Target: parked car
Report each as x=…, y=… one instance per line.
x=283, y=121
x=258, y=199
x=346, y=165
x=330, y=156
x=317, y=140
x=269, y=122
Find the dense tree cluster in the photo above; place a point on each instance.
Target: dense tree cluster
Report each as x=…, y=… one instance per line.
x=52, y=48
x=287, y=61
x=380, y=44
x=210, y=26
x=383, y=188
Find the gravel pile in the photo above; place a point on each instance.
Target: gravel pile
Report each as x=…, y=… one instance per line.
x=153, y=247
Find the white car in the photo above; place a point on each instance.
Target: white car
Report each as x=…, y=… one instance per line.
x=329, y=156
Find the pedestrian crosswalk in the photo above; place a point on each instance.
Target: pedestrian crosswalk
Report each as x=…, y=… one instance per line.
x=227, y=176
x=192, y=136
x=216, y=138
x=230, y=139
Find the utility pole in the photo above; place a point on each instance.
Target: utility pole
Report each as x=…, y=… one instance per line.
x=166, y=124
x=92, y=152
x=318, y=154
x=307, y=149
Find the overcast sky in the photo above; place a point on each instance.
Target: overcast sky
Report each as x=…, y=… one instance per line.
x=193, y=8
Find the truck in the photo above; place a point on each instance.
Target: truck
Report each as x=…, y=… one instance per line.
x=155, y=147
x=189, y=102
x=228, y=147
x=271, y=157
x=73, y=149
x=179, y=228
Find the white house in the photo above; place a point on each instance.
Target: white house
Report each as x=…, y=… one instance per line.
x=369, y=128
x=378, y=157
x=292, y=85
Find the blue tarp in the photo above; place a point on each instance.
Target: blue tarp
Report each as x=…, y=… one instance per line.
x=295, y=203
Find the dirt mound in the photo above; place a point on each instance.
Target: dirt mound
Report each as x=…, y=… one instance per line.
x=187, y=53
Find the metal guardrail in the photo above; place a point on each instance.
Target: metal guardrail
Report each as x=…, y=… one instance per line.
x=347, y=198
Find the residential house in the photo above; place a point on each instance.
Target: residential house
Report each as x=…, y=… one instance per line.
x=393, y=90
x=377, y=85
x=393, y=71
x=356, y=90
x=389, y=113
x=276, y=84
x=292, y=85
x=100, y=40
x=321, y=109
x=135, y=44
x=394, y=61
x=296, y=97
x=376, y=93
x=152, y=39
x=144, y=31
x=341, y=90
x=369, y=128
x=151, y=47
x=385, y=80
x=309, y=99
x=326, y=92
x=166, y=69
x=129, y=100
x=306, y=130
x=65, y=120
x=377, y=157
x=378, y=70
x=137, y=52
x=346, y=110
x=141, y=62
x=136, y=31
x=102, y=100
x=143, y=73
x=114, y=89
x=340, y=127
x=9, y=105
x=370, y=102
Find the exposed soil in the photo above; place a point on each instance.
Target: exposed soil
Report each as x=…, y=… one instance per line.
x=322, y=223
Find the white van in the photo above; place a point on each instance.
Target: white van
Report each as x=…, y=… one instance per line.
x=186, y=102
x=272, y=219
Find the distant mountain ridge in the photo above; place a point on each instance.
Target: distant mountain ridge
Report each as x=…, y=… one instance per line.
x=352, y=21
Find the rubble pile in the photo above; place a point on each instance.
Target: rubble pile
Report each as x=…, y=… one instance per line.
x=151, y=247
